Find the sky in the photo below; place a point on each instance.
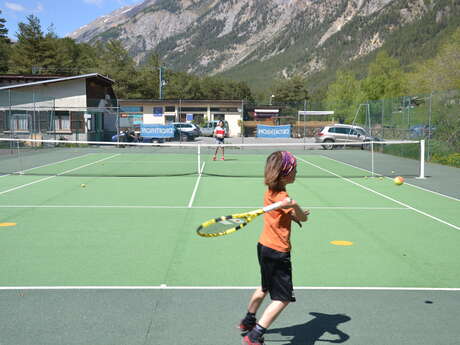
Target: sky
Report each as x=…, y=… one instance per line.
x=65, y=15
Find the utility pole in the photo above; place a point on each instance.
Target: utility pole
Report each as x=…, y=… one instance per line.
x=162, y=81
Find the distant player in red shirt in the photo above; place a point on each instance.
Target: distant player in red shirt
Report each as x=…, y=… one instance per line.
x=219, y=134
x=274, y=248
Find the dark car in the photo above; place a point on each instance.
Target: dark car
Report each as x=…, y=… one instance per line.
x=421, y=131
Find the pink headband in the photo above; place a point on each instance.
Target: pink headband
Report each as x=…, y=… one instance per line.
x=289, y=163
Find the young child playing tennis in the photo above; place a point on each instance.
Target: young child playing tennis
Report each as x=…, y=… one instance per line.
x=273, y=249
x=219, y=134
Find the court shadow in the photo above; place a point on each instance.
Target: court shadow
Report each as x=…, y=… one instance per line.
x=312, y=331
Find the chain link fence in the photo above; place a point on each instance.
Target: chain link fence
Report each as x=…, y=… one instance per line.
x=285, y=113
x=434, y=117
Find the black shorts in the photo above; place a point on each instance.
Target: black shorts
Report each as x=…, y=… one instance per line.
x=276, y=273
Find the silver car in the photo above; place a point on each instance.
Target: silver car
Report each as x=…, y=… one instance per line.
x=340, y=133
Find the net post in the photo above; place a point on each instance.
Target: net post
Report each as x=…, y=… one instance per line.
x=199, y=159
x=372, y=158
x=422, y=159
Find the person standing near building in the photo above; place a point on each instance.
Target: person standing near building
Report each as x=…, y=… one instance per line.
x=219, y=134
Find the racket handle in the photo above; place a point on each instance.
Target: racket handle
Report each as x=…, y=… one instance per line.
x=276, y=205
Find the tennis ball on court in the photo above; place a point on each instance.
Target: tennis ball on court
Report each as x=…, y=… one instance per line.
x=380, y=178
x=83, y=185
x=398, y=180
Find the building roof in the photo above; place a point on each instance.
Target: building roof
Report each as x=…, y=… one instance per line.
x=57, y=80
x=183, y=101
x=29, y=76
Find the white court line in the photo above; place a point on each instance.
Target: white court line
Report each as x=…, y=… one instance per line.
x=45, y=165
x=357, y=208
x=407, y=183
x=383, y=195
x=50, y=177
x=165, y=287
x=196, y=186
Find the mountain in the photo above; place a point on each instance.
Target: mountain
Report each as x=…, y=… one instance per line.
x=260, y=40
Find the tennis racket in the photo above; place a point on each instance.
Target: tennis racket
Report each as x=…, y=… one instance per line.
x=228, y=224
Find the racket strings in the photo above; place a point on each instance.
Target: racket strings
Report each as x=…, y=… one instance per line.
x=223, y=225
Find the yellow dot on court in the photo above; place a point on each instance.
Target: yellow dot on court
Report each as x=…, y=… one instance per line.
x=7, y=224
x=342, y=243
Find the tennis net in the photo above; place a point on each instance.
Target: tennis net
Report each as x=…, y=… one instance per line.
x=28, y=156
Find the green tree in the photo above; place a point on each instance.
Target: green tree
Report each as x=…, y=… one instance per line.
x=4, y=46
x=52, y=60
x=29, y=51
x=344, y=95
x=440, y=73
x=149, y=78
x=181, y=85
x=385, y=78
x=241, y=90
x=114, y=61
x=213, y=88
x=86, y=57
x=291, y=90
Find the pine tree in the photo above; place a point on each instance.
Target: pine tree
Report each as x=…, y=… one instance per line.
x=114, y=61
x=28, y=53
x=149, y=78
x=291, y=90
x=4, y=46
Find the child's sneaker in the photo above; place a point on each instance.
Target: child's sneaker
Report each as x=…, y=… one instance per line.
x=248, y=341
x=246, y=325
x=214, y=158
x=223, y=158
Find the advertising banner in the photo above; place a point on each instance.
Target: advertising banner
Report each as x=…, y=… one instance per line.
x=264, y=131
x=157, y=131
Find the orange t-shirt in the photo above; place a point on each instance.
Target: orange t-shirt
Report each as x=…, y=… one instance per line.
x=277, y=224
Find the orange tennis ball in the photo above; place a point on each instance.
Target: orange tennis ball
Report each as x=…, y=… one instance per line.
x=398, y=180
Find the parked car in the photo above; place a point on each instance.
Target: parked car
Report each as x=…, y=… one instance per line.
x=421, y=131
x=186, y=131
x=208, y=129
x=182, y=132
x=340, y=133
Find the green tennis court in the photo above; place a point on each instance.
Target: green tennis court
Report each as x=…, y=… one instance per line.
x=99, y=247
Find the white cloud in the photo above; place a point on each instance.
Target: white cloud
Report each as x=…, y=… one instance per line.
x=39, y=8
x=14, y=7
x=94, y=2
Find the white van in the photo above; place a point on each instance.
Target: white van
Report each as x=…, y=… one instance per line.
x=208, y=129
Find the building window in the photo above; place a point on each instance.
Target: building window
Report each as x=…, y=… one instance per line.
x=193, y=109
x=132, y=109
x=19, y=122
x=170, y=109
x=226, y=110
x=61, y=121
